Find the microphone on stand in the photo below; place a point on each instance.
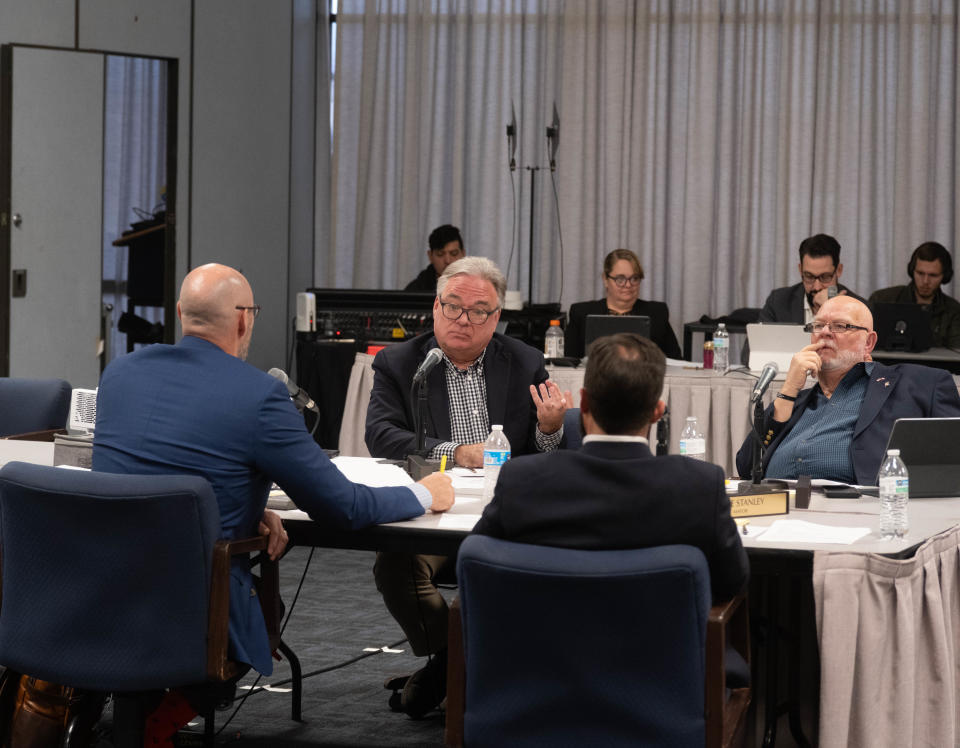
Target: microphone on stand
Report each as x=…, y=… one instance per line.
x=512, y=138
x=417, y=464
x=301, y=398
x=663, y=433
x=433, y=358
x=770, y=371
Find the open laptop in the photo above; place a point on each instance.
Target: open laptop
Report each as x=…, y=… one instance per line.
x=599, y=325
x=930, y=448
x=902, y=327
x=775, y=342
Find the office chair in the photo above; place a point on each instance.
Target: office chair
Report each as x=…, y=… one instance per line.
x=118, y=583
x=32, y=405
x=573, y=647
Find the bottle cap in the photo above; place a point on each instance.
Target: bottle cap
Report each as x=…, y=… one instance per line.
x=554, y=323
x=691, y=418
x=497, y=427
x=893, y=453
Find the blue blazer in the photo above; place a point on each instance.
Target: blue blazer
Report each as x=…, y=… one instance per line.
x=510, y=367
x=617, y=495
x=900, y=391
x=192, y=408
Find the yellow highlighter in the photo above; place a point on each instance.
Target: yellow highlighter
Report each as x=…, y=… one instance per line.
x=443, y=463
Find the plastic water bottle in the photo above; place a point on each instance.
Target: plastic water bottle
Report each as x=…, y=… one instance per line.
x=553, y=340
x=496, y=451
x=894, y=493
x=721, y=349
x=692, y=443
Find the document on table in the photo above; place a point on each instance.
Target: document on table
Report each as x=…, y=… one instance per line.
x=799, y=531
x=466, y=481
x=366, y=470
x=458, y=521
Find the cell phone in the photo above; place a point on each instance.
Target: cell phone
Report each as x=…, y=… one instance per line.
x=840, y=492
x=832, y=291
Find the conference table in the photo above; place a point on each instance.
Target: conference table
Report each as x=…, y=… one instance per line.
x=782, y=580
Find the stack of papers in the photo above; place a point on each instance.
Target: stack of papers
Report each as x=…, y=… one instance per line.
x=366, y=470
x=466, y=481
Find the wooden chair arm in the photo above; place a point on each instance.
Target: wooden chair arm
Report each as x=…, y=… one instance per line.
x=727, y=622
x=456, y=678
x=218, y=666
x=47, y=435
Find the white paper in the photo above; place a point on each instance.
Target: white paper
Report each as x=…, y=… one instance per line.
x=457, y=521
x=466, y=482
x=371, y=472
x=799, y=531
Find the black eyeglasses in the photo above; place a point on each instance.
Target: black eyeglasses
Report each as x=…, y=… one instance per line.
x=622, y=280
x=255, y=309
x=823, y=277
x=835, y=327
x=455, y=311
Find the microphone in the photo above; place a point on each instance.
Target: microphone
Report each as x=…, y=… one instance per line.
x=300, y=397
x=433, y=358
x=770, y=370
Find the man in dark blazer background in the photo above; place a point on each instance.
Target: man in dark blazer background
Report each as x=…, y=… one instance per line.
x=838, y=429
x=482, y=379
x=198, y=408
x=613, y=493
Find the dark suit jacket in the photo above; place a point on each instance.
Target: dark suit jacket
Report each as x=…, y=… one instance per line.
x=510, y=368
x=425, y=282
x=901, y=391
x=194, y=409
x=786, y=304
x=612, y=495
x=660, y=331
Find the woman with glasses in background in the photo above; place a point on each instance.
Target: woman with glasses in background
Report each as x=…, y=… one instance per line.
x=622, y=273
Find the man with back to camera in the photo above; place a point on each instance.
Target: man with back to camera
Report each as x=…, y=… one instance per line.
x=197, y=408
x=930, y=266
x=613, y=493
x=838, y=429
x=820, y=268
x=444, y=246
x=483, y=379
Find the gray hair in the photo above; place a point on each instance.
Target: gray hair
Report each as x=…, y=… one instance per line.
x=478, y=266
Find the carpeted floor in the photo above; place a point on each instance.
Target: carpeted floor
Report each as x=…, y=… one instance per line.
x=339, y=613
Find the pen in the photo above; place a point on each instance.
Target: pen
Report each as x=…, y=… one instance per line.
x=443, y=464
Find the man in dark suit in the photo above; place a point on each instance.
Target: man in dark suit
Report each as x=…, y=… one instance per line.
x=482, y=379
x=614, y=493
x=838, y=429
x=444, y=247
x=820, y=269
x=197, y=408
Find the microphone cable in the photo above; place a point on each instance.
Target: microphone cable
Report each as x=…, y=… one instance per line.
x=556, y=202
x=513, y=228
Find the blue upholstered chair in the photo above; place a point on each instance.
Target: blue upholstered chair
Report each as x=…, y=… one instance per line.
x=118, y=583
x=568, y=648
x=571, y=428
x=31, y=405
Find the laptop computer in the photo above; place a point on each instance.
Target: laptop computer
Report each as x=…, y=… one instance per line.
x=930, y=448
x=774, y=343
x=902, y=327
x=599, y=325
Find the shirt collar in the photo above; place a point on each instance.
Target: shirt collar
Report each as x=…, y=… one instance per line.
x=616, y=438
x=475, y=368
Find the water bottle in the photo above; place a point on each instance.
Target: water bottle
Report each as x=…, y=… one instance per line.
x=496, y=451
x=894, y=493
x=721, y=349
x=692, y=443
x=553, y=340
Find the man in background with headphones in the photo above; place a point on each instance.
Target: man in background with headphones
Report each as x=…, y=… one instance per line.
x=929, y=267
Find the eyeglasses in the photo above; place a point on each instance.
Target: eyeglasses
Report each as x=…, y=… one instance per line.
x=455, y=311
x=835, y=327
x=622, y=280
x=255, y=309
x=823, y=277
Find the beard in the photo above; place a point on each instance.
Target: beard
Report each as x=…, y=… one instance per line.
x=843, y=360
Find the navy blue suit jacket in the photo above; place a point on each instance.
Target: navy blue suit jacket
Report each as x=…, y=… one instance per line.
x=192, y=408
x=787, y=304
x=510, y=367
x=901, y=391
x=616, y=495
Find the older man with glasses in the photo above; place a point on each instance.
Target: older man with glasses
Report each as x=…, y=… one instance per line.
x=838, y=428
x=820, y=270
x=484, y=378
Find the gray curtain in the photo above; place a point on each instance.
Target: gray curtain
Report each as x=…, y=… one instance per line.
x=709, y=136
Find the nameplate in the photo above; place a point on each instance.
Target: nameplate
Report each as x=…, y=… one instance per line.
x=750, y=504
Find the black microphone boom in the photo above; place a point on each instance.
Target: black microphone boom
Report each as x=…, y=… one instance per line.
x=301, y=398
x=433, y=358
x=770, y=370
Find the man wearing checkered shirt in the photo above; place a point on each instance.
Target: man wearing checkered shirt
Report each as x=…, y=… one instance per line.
x=484, y=378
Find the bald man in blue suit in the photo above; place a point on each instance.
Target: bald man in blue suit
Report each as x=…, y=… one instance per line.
x=197, y=408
